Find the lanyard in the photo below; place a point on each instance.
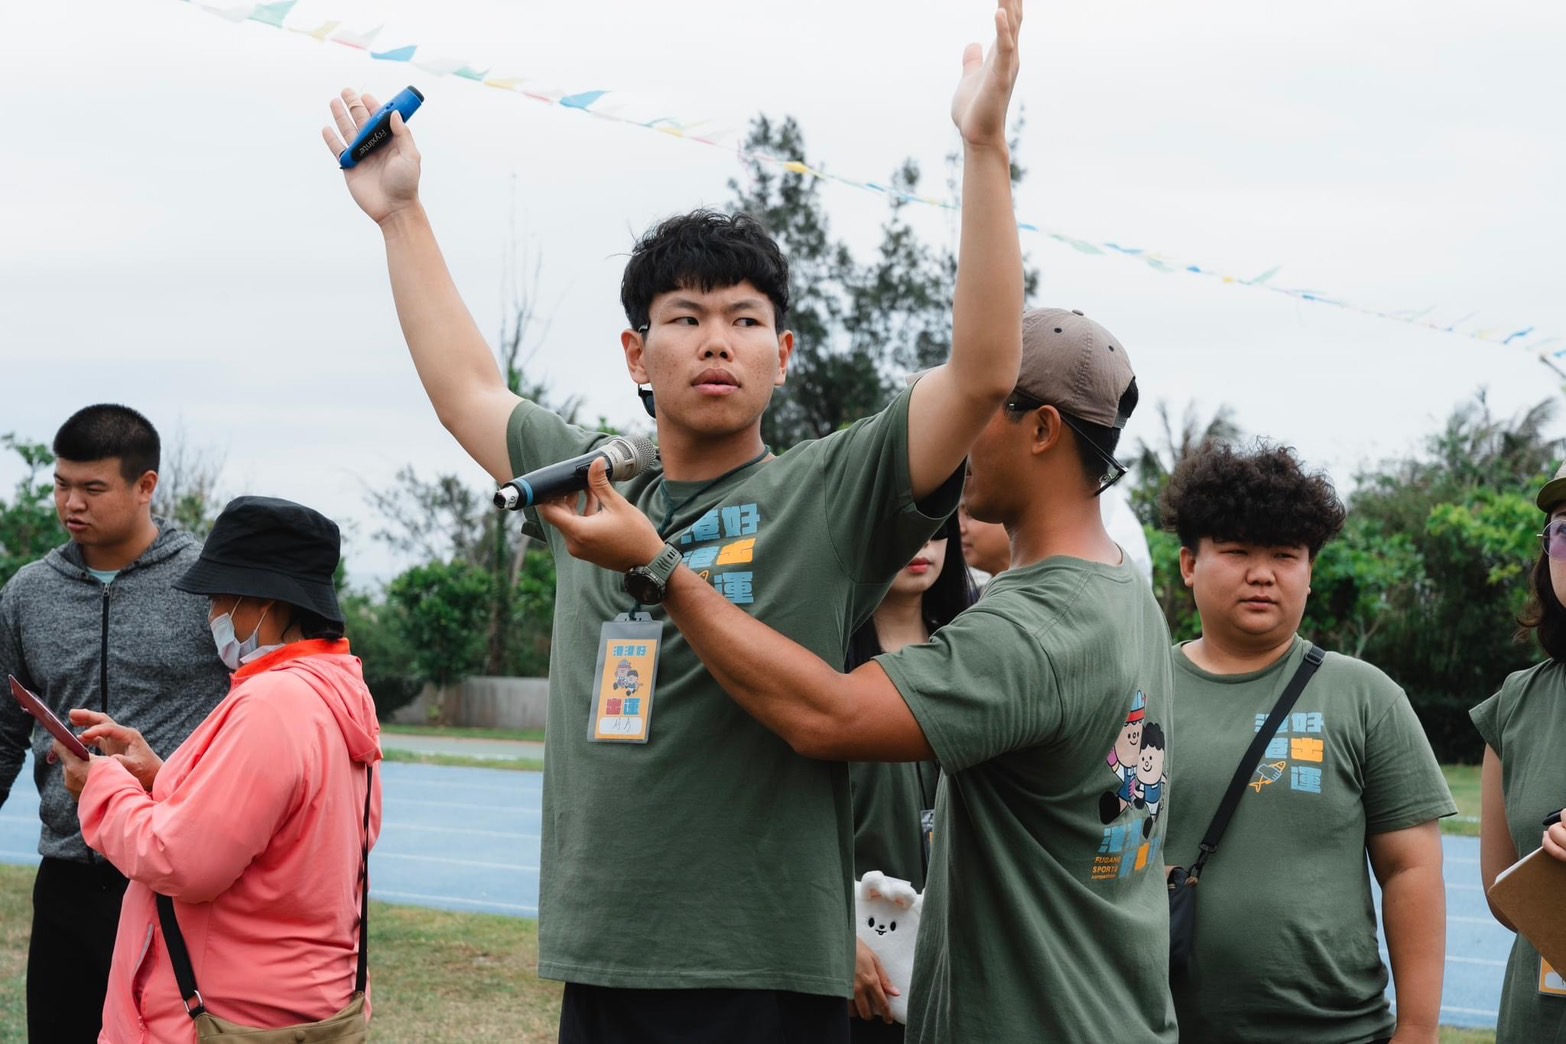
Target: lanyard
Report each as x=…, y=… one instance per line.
x=671, y=509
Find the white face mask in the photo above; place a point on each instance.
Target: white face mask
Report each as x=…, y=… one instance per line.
x=230, y=649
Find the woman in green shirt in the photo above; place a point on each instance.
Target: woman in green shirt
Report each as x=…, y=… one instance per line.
x=890, y=798
x=1524, y=777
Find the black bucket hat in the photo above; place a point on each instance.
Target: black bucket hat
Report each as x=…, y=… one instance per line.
x=262, y=547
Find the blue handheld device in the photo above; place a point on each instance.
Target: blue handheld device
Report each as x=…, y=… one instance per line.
x=377, y=130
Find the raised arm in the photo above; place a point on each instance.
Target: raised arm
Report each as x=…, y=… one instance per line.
x=952, y=403
x=454, y=362
x=815, y=708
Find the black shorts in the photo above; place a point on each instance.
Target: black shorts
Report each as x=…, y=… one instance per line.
x=609, y=1015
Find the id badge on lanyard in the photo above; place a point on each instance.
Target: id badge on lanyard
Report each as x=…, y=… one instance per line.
x=1550, y=982
x=623, y=682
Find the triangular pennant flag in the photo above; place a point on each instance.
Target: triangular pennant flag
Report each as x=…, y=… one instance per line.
x=582, y=100
x=359, y=41
x=272, y=14
x=396, y=54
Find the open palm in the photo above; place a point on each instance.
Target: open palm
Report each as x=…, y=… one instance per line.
x=387, y=179
x=983, y=93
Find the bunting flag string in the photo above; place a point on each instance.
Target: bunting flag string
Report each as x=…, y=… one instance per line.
x=621, y=107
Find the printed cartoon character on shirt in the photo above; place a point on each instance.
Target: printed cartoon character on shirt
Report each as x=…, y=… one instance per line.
x=1150, y=776
x=1123, y=760
x=887, y=911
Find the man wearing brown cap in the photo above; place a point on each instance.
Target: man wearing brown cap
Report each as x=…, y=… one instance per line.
x=1041, y=921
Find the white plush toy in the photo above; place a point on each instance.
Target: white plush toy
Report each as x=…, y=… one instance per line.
x=886, y=913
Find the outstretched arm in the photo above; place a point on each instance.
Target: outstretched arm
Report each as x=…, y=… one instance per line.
x=454, y=362
x=819, y=711
x=952, y=403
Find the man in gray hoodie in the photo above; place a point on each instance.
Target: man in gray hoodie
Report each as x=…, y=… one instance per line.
x=97, y=623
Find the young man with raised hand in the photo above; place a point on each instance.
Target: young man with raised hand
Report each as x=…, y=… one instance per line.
x=1046, y=916
x=97, y=624
x=1285, y=930
x=695, y=883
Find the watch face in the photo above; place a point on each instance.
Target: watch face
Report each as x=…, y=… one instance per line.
x=642, y=587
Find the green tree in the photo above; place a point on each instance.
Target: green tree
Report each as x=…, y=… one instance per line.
x=29, y=527
x=388, y=660
x=1464, y=504
x=1359, y=584
x=1174, y=598
x=440, y=608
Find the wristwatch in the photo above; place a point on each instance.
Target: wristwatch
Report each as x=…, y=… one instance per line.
x=646, y=583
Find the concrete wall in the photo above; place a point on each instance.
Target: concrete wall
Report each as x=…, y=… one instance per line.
x=492, y=703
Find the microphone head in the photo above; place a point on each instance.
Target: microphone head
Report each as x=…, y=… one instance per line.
x=628, y=456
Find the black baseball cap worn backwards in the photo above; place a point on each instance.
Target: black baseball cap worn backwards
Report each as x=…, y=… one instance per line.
x=263, y=547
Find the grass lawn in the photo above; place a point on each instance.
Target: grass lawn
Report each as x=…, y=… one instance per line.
x=462, y=732
x=1464, y=783
x=436, y=977
x=463, y=761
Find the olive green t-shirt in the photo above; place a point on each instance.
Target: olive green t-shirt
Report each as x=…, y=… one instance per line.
x=1286, y=944
x=888, y=801
x=713, y=855
x=1525, y=724
x=1045, y=914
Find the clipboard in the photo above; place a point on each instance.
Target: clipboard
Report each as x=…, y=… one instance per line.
x=45, y=717
x=1528, y=892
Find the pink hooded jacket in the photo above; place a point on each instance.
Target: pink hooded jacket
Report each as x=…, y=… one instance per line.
x=255, y=827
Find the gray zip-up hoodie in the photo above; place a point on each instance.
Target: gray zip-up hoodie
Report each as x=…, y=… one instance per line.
x=135, y=648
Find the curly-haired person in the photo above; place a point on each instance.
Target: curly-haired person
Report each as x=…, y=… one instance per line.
x=1286, y=934
x=1524, y=777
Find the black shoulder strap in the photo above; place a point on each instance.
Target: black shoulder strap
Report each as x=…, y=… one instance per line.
x=185, y=975
x=1247, y=766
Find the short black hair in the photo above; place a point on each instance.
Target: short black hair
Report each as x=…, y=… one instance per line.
x=1258, y=495
x=313, y=625
x=1544, y=615
x=109, y=430
x=1153, y=736
x=704, y=250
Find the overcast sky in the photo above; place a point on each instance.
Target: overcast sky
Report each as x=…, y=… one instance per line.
x=173, y=234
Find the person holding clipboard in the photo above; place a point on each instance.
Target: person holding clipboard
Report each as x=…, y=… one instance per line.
x=1523, y=780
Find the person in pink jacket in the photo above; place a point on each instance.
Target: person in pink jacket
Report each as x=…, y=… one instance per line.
x=257, y=826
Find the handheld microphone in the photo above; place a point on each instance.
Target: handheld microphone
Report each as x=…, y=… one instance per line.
x=627, y=455
x=377, y=129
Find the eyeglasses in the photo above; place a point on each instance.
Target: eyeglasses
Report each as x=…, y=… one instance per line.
x=1017, y=402
x=1554, y=539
